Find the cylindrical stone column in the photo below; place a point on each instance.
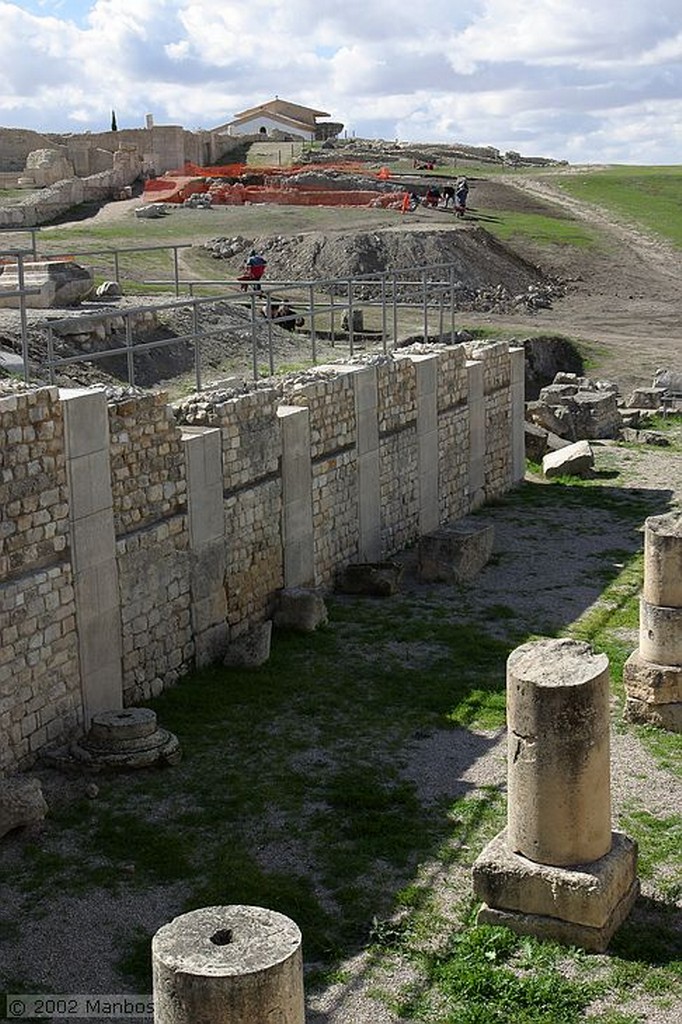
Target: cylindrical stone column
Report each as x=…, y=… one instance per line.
x=660, y=634
x=228, y=965
x=558, y=756
x=663, y=561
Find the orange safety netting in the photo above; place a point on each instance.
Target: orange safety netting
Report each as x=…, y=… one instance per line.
x=176, y=188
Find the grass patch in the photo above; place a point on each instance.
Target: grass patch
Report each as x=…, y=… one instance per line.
x=650, y=196
x=511, y=226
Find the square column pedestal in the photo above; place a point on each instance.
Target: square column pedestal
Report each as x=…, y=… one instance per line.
x=583, y=905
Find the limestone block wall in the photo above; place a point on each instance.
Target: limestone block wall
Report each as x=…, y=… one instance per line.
x=137, y=540
x=252, y=450
x=149, y=494
x=39, y=675
x=497, y=369
x=334, y=468
x=453, y=435
x=397, y=411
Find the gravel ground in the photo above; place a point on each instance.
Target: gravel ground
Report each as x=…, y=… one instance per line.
x=545, y=569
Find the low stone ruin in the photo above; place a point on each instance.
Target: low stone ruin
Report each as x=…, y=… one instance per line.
x=455, y=553
x=22, y=803
x=574, y=408
x=577, y=408
x=50, y=283
x=237, y=963
x=123, y=739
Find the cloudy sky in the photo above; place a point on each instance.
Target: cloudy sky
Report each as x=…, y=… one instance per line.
x=588, y=82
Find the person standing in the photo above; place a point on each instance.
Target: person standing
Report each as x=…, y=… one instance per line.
x=254, y=268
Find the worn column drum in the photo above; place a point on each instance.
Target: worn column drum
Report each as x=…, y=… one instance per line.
x=558, y=755
x=228, y=965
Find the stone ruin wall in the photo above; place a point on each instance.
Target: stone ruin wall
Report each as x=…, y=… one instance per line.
x=148, y=483
x=251, y=452
x=39, y=675
x=454, y=499
x=498, y=415
x=162, y=606
x=333, y=430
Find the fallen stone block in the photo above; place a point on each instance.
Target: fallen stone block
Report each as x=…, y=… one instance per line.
x=109, y=290
x=646, y=398
x=573, y=460
x=21, y=803
x=539, y=441
x=455, y=553
x=53, y=283
x=300, y=608
x=373, y=579
x=252, y=649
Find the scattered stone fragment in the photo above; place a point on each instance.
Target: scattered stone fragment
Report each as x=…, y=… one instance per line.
x=300, y=608
x=574, y=460
x=455, y=553
x=252, y=649
x=373, y=579
x=21, y=803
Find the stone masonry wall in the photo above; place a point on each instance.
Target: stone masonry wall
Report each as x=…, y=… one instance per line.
x=39, y=689
x=496, y=385
x=453, y=435
x=333, y=434
x=371, y=434
x=149, y=500
x=252, y=449
x=399, y=456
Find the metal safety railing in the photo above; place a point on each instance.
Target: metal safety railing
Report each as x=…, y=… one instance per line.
x=332, y=309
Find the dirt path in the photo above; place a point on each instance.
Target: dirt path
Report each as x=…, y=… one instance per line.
x=624, y=298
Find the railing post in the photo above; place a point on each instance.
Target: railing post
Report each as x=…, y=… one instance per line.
x=197, y=349
x=176, y=271
x=395, y=309
x=425, y=305
x=313, y=335
x=351, y=338
x=129, y=350
x=50, y=353
x=254, y=336
x=383, y=311
x=22, y=316
x=452, y=304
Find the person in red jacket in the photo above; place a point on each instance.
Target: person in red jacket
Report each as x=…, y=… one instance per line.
x=254, y=268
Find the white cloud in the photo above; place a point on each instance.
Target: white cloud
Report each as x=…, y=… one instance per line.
x=558, y=78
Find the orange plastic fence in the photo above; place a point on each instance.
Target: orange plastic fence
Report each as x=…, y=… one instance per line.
x=176, y=188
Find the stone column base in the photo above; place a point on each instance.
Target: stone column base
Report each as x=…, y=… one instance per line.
x=579, y=906
x=654, y=693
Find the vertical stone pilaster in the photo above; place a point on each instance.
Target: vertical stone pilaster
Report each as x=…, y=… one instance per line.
x=426, y=369
x=369, y=494
x=93, y=550
x=518, y=400
x=476, y=403
x=208, y=557
x=297, y=497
